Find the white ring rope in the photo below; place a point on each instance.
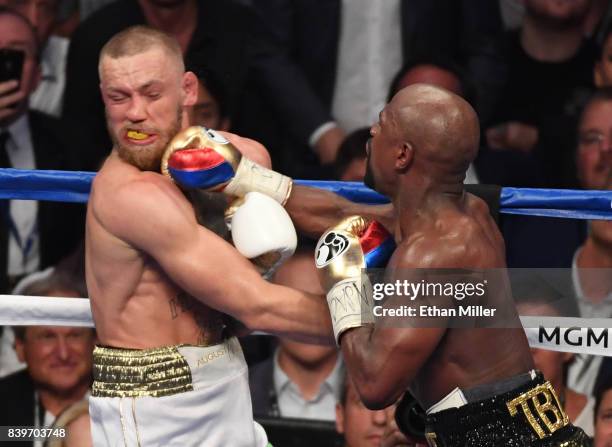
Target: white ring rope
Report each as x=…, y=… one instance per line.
x=591, y=336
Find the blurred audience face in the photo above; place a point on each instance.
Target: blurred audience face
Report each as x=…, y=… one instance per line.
x=594, y=159
x=432, y=75
x=558, y=14
x=603, y=67
x=603, y=421
x=595, y=146
x=299, y=272
x=15, y=34
x=144, y=96
x=40, y=13
x=206, y=111
x=59, y=359
x=361, y=427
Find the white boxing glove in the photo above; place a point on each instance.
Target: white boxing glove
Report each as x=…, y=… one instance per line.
x=263, y=232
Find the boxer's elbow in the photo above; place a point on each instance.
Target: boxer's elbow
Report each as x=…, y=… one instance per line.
x=376, y=395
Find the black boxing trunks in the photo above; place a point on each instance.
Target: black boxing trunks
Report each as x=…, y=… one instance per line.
x=530, y=414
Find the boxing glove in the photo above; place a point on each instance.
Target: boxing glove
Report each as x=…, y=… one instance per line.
x=342, y=252
x=262, y=231
x=198, y=157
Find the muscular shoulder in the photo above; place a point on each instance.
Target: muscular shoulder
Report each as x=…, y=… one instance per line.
x=462, y=242
x=122, y=199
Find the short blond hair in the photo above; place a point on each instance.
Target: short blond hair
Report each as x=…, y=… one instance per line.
x=138, y=39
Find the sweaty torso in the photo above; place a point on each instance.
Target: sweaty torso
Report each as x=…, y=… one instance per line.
x=467, y=238
x=134, y=304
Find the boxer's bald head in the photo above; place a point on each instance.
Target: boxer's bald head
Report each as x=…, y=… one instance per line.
x=426, y=132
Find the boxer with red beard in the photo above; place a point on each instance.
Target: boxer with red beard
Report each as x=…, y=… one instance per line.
x=166, y=371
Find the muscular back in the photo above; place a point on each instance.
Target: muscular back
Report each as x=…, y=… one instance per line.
x=134, y=303
x=465, y=237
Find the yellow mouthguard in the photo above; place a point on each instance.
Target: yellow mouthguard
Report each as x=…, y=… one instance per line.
x=135, y=135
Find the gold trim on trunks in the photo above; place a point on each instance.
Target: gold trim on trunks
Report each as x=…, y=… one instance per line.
x=545, y=403
x=136, y=373
x=431, y=438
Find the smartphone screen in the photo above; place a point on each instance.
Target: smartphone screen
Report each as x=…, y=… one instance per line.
x=11, y=64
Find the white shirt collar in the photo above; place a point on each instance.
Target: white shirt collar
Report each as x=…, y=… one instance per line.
x=333, y=381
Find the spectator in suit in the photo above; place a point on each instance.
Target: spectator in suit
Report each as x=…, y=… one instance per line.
x=603, y=414
x=58, y=364
x=529, y=139
x=42, y=14
x=32, y=235
x=336, y=59
x=592, y=261
x=214, y=33
x=300, y=380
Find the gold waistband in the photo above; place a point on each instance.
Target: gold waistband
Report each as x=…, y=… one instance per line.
x=136, y=373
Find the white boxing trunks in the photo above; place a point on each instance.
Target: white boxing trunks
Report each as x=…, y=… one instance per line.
x=173, y=396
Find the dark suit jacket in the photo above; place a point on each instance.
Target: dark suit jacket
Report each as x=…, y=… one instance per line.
x=219, y=43
x=61, y=225
x=17, y=397
x=300, y=78
x=263, y=396
x=293, y=72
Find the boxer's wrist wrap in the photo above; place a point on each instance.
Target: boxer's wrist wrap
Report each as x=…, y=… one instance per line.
x=350, y=304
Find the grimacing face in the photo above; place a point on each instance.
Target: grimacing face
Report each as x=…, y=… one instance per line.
x=144, y=96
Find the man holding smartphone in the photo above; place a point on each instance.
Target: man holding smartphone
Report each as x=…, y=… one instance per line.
x=32, y=235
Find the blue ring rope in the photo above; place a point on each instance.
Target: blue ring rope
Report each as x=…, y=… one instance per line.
x=74, y=186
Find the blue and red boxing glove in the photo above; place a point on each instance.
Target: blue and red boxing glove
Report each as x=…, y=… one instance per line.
x=200, y=158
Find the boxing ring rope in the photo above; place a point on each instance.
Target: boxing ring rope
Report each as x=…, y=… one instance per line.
x=74, y=186
x=560, y=333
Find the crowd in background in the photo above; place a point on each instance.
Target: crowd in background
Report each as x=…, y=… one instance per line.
x=307, y=78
